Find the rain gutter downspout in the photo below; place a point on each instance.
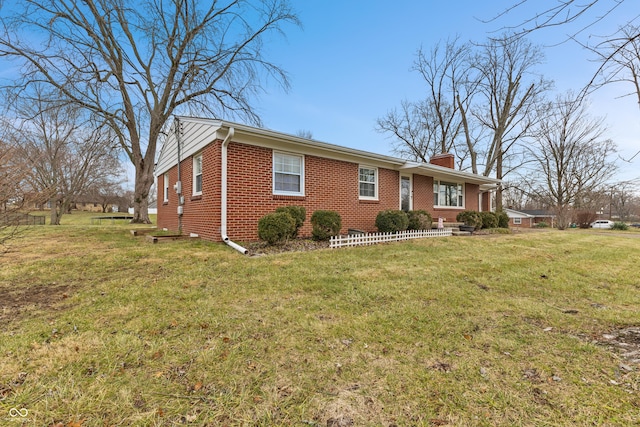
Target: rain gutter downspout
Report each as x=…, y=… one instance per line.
x=178, y=186
x=223, y=196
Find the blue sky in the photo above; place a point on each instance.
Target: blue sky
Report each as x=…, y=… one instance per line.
x=350, y=62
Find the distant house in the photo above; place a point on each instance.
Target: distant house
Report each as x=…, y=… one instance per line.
x=216, y=179
x=528, y=218
x=152, y=208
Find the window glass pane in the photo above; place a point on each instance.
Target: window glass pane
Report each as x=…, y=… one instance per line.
x=287, y=164
x=285, y=182
x=166, y=186
x=367, y=175
x=197, y=174
x=367, y=190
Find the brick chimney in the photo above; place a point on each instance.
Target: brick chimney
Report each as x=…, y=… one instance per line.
x=446, y=160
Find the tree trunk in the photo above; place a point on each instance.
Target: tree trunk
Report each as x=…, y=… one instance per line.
x=55, y=213
x=499, y=176
x=144, y=181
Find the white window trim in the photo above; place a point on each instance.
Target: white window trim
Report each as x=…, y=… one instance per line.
x=273, y=174
x=464, y=197
x=375, y=197
x=517, y=221
x=195, y=157
x=165, y=193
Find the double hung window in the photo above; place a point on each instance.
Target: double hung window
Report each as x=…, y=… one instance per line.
x=368, y=183
x=288, y=174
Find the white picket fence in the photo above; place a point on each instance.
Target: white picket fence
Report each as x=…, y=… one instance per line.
x=373, y=238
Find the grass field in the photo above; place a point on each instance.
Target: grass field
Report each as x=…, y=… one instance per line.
x=100, y=328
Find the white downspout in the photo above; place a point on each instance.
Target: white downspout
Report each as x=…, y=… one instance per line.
x=223, y=196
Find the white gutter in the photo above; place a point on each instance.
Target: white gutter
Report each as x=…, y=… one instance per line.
x=223, y=196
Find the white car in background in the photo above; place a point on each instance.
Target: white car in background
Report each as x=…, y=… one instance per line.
x=602, y=223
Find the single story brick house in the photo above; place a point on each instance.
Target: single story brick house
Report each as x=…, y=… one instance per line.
x=529, y=218
x=216, y=179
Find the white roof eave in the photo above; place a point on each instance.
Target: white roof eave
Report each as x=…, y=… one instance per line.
x=338, y=151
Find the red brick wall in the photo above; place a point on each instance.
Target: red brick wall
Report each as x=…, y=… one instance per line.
x=201, y=213
x=329, y=185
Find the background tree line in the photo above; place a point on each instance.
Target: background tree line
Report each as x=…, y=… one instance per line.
x=485, y=102
x=123, y=69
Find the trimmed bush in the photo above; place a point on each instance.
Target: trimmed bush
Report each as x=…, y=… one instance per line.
x=470, y=218
x=619, y=225
x=503, y=219
x=419, y=220
x=298, y=213
x=276, y=227
x=489, y=220
x=392, y=221
x=542, y=225
x=325, y=224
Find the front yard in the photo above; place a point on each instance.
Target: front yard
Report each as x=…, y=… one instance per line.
x=101, y=328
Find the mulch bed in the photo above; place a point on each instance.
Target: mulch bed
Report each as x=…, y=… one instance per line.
x=294, y=245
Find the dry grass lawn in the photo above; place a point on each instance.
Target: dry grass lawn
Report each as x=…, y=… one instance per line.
x=103, y=329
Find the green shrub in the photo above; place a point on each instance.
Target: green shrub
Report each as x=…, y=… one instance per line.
x=489, y=220
x=392, y=221
x=470, y=218
x=276, y=227
x=325, y=224
x=503, y=219
x=542, y=225
x=419, y=220
x=298, y=213
x=619, y=225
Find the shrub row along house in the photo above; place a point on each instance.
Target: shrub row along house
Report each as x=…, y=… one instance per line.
x=216, y=179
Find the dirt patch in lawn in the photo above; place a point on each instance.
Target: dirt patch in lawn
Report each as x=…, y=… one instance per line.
x=17, y=303
x=624, y=342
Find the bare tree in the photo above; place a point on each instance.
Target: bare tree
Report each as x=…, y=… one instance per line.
x=572, y=157
x=304, y=133
x=432, y=125
x=13, y=196
x=620, y=62
x=480, y=103
x=134, y=63
x=583, y=14
x=617, y=51
x=515, y=194
x=105, y=192
x=412, y=135
x=623, y=200
x=66, y=152
x=620, y=58
x=509, y=93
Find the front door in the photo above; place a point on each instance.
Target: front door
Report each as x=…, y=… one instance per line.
x=405, y=193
